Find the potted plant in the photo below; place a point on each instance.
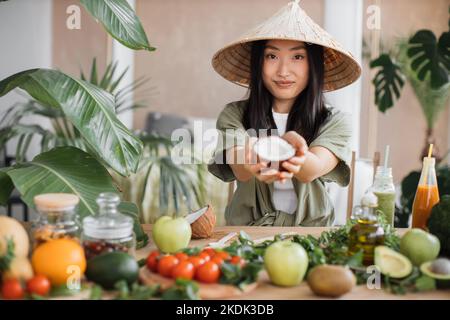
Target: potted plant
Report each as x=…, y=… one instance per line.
x=105, y=143
x=423, y=60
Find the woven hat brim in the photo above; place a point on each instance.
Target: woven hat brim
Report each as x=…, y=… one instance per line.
x=233, y=63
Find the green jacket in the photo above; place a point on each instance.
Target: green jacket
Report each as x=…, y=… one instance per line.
x=252, y=200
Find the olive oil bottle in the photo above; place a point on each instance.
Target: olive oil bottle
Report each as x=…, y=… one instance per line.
x=367, y=233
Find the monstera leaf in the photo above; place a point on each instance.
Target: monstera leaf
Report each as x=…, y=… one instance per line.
x=388, y=82
x=90, y=109
x=120, y=21
x=429, y=56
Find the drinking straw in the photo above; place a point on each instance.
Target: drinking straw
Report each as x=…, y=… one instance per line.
x=386, y=157
x=430, y=150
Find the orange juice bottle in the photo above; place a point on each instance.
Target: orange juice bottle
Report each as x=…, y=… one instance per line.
x=427, y=194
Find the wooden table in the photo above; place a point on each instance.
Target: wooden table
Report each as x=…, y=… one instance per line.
x=267, y=291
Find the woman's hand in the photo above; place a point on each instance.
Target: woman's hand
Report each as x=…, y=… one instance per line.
x=294, y=164
x=259, y=169
x=245, y=164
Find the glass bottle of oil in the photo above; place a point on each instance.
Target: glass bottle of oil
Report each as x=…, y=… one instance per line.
x=367, y=233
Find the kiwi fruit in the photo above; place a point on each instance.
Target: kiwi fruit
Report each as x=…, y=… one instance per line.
x=330, y=280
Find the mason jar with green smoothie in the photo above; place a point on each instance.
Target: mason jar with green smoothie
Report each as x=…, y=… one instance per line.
x=384, y=189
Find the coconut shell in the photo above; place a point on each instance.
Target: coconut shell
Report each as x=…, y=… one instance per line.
x=203, y=227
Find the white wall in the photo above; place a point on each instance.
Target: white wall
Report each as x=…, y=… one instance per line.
x=125, y=58
x=343, y=19
x=25, y=43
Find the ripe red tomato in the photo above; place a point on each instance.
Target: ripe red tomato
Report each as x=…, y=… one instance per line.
x=181, y=256
x=166, y=264
x=152, y=260
x=197, y=261
x=223, y=254
x=237, y=260
x=12, y=289
x=205, y=256
x=218, y=260
x=210, y=251
x=208, y=272
x=183, y=270
x=39, y=285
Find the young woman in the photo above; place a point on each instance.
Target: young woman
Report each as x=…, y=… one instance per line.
x=287, y=67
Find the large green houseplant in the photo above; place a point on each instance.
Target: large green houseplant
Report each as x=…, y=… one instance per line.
x=109, y=145
x=423, y=60
x=176, y=185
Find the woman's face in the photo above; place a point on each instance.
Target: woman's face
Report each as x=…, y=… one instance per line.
x=285, y=69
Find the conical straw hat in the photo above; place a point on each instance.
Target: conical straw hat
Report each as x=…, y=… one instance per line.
x=290, y=23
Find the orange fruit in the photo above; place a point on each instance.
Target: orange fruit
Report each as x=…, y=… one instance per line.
x=58, y=260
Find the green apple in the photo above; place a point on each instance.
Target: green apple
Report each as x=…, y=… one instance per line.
x=419, y=246
x=286, y=263
x=171, y=234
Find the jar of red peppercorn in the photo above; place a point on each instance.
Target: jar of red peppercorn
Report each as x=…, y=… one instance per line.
x=108, y=231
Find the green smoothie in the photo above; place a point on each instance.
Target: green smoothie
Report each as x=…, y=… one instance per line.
x=386, y=204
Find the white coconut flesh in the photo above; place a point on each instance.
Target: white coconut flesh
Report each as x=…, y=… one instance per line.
x=192, y=217
x=273, y=148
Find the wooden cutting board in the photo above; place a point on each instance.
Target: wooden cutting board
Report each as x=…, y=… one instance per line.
x=206, y=291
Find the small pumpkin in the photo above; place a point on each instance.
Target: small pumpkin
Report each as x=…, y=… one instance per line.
x=202, y=222
x=20, y=268
x=12, y=229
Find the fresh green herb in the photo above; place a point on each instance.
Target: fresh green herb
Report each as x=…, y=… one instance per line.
x=425, y=283
x=182, y=290
x=5, y=260
x=240, y=276
x=142, y=262
x=316, y=254
x=413, y=283
x=35, y=296
x=192, y=251
x=63, y=291
x=96, y=293
x=135, y=292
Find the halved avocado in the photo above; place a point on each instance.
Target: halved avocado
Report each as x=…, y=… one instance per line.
x=392, y=263
x=438, y=270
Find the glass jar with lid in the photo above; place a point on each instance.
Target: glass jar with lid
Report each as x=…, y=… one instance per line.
x=57, y=217
x=110, y=230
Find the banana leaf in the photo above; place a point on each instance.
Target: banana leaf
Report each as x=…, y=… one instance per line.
x=6, y=186
x=67, y=169
x=90, y=109
x=120, y=21
x=131, y=210
x=63, y=169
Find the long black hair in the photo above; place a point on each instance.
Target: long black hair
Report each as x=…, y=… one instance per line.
x=308, y=112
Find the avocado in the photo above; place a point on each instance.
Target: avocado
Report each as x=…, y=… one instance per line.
x=108, y=268
x=439, y=270
x=392, y=263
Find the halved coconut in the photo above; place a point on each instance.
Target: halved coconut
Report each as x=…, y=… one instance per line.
x=202, y=222
x=273, y=148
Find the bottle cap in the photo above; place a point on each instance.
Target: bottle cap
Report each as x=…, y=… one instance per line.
x=369, y=200
x=109, y=223
x=384, y=171
x=56, y=201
